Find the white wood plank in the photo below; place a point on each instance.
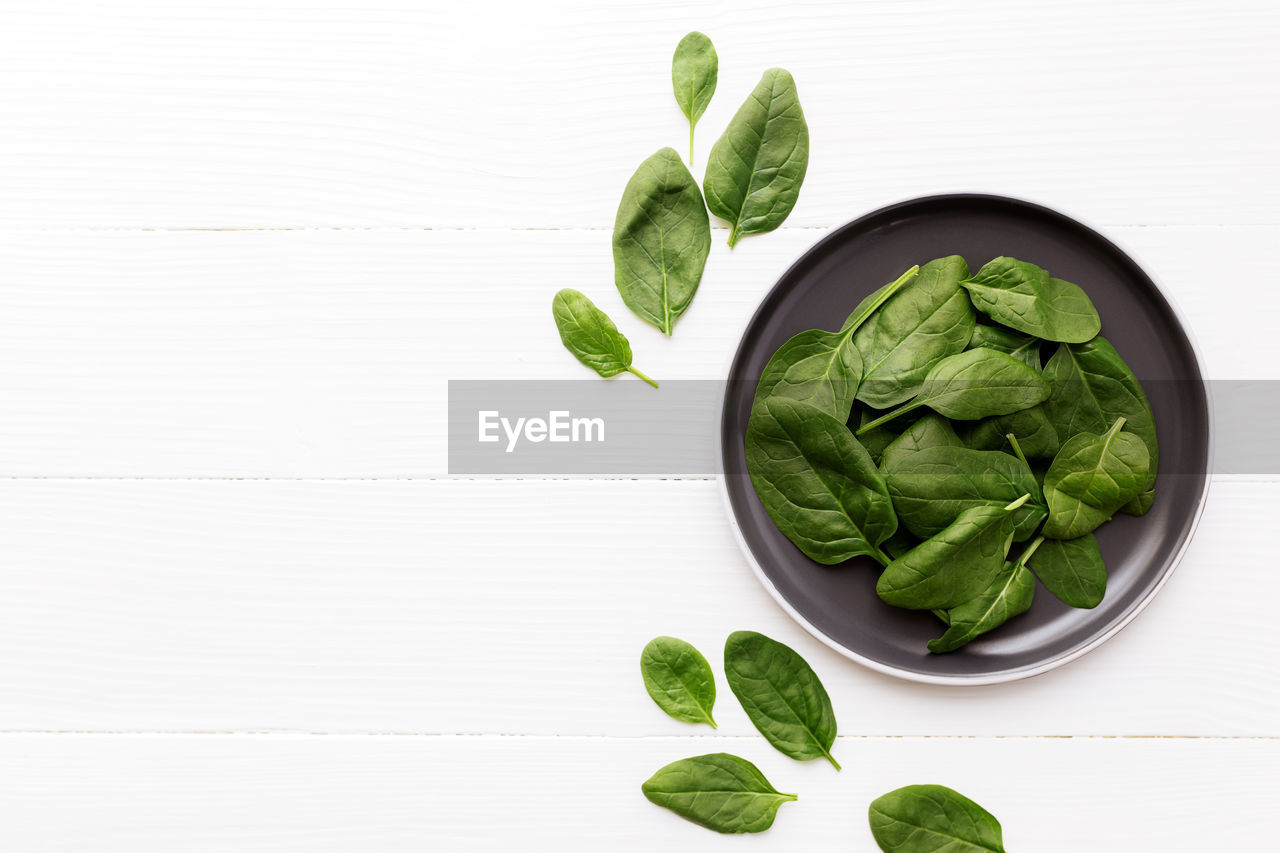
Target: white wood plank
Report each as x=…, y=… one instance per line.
x=327, y=353
x=185, y=114
x=219, y=793
x=520, y=607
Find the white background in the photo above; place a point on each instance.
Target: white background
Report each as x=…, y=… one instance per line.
x=243, y=247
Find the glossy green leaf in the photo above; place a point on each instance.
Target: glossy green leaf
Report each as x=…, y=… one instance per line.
x=933, y=819
x=661, y=238
x=679, y=680
x=1038, y=437
x=719, y=791
x=1072, y=569
x=923, y=323
x=694, y=69
x=975, y=384
x=591, y=336
x=1091, y=478
x=822, y=368
x=782, y=696
x=1024, y=348
x=953, y=566
x=756, y=168
x=933, y=486
x=930, y=431
x=818, y=484
x=1092, y=386
x=1025, y=298
x=1009, y=595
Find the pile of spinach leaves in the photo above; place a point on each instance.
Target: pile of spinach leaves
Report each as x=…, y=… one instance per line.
x=953, y=415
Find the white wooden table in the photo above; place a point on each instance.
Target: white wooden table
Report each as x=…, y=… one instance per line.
x=242, y=249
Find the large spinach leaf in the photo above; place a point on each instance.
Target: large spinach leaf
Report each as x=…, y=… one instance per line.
x=1024, y=297
x=933, y=486
x=661, y=238
x=923, y=323
x=694, y=69
x=1008, y=595
x=782, y=695
x=1072, y=569
x=822, y=368
x=953, y=566
x=756, y=168
x=591, y=336
x=975, y=384
x=930, y=431
x=817, y=483
x=933, y=819
x=1092, y=386
x=719, y=791
x=679, y=680
x=1091, y=478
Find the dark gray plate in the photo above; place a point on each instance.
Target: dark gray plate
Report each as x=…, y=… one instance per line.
x=838, y=604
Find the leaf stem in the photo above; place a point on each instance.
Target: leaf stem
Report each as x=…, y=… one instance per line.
x=855, y=322
x=880, y=556
x=884, y=419
x=690, y=142
x=1017, y=448
x=1031, y=549
x=832, y=759
x=733, y=235
x=1018, y=503
x=642, y=376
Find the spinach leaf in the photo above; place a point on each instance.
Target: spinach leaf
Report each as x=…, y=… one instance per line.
x=1072, y=569
x=817, y=483
x=1022, y=347
x=1024, y=297
x=953, y=566
x=933, y=486
x=930, y=431
x=694, y=69
x=822, y=368
x=1008, y=595
x=922, y=324
x=757, y=166
x=876, y=441
x=1092, y=386
x=933, y=819
x=590, y=335
x=661, y=238
x=1141, y=505
x=1091, y=478
x=719, y=791
x=975, y=384
x=1031, y=426
x=679, y=680
x=782, y=695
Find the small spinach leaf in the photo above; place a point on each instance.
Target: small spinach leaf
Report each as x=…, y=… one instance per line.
x=679, y=680
x=782, y=695
x=817, y=483
x=931, y=487
x=1031, y=427
x=661, y=238
x=1022, y=296
x=822, y=368
x=975, y=384
x=1009, y=595
x=952, y=567
x=757, y=166
x=922, y=324
x=933, y=819
x=1091, y=478
x=694, y=69
x=590, y=335
x=930, y=431
x=719, y=791
x=1022, y=347
x=1072, y=569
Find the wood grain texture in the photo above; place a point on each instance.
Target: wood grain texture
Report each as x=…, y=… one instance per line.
x=327, y=353
x=219, y=793
x=521, y=607
x=167, y=114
